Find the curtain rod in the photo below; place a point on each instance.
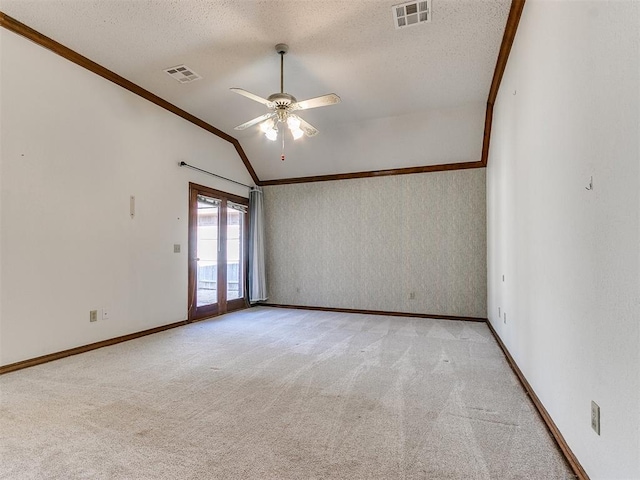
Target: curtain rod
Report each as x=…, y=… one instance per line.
x=185, y=164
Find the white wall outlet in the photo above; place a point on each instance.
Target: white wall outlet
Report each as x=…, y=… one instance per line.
x=105, y=313
x=595, y=417
x=412, y=296
x=176, y=248
x=93, y=315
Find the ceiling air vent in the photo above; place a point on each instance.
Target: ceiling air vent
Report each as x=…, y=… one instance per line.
x=411, y=13
x=183, y=74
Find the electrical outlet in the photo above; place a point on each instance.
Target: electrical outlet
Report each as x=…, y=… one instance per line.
x=176, y=248
x=105, y=313
x=505, y=318
x=595, y=417
x=93, y=315
x=412, y=296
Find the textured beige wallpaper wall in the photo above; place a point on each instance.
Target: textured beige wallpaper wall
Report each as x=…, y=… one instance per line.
x=374, y=243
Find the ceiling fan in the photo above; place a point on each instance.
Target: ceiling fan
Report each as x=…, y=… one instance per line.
x=282, y=106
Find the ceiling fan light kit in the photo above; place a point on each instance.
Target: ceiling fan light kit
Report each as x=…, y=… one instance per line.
x=282, y=106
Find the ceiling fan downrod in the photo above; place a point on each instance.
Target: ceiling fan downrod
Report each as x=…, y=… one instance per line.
x=282, y=49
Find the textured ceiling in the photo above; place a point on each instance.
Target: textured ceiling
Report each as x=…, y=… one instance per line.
x=410, y=97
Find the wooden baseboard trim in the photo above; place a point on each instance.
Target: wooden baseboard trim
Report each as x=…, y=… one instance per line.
x=373, y=312
x=86, y=348
x=553, y=429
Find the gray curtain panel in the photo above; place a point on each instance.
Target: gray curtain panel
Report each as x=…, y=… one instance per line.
x=257, y=277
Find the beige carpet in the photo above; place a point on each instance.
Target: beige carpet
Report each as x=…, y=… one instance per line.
x=279, y=394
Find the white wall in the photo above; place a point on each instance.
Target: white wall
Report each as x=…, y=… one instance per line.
x=369, y=243
x=74, y=148
x=568, y=109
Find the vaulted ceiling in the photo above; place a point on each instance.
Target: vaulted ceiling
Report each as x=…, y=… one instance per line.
x=410, y=97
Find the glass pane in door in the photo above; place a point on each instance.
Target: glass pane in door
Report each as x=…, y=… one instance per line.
x=235, y=219
x=207, y=252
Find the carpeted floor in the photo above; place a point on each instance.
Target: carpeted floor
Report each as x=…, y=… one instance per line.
x=279, y=394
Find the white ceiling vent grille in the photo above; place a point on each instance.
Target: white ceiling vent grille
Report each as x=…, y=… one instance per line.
x=183, y=74
x=411, y=13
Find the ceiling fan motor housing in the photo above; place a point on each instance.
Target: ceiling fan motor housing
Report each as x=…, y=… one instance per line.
x=282, y=103
x=282, y=100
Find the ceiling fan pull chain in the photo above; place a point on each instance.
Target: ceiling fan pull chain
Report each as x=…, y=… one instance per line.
x=282, y=156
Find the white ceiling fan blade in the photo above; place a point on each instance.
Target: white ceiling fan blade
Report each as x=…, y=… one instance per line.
x=306, y=127
x=252, y=96
x=255, y=121
x=323, y=101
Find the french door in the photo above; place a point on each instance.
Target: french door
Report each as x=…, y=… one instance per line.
x=217, y=252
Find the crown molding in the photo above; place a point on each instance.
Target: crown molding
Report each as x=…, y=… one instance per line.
x=38, y=38
x=513, y=20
